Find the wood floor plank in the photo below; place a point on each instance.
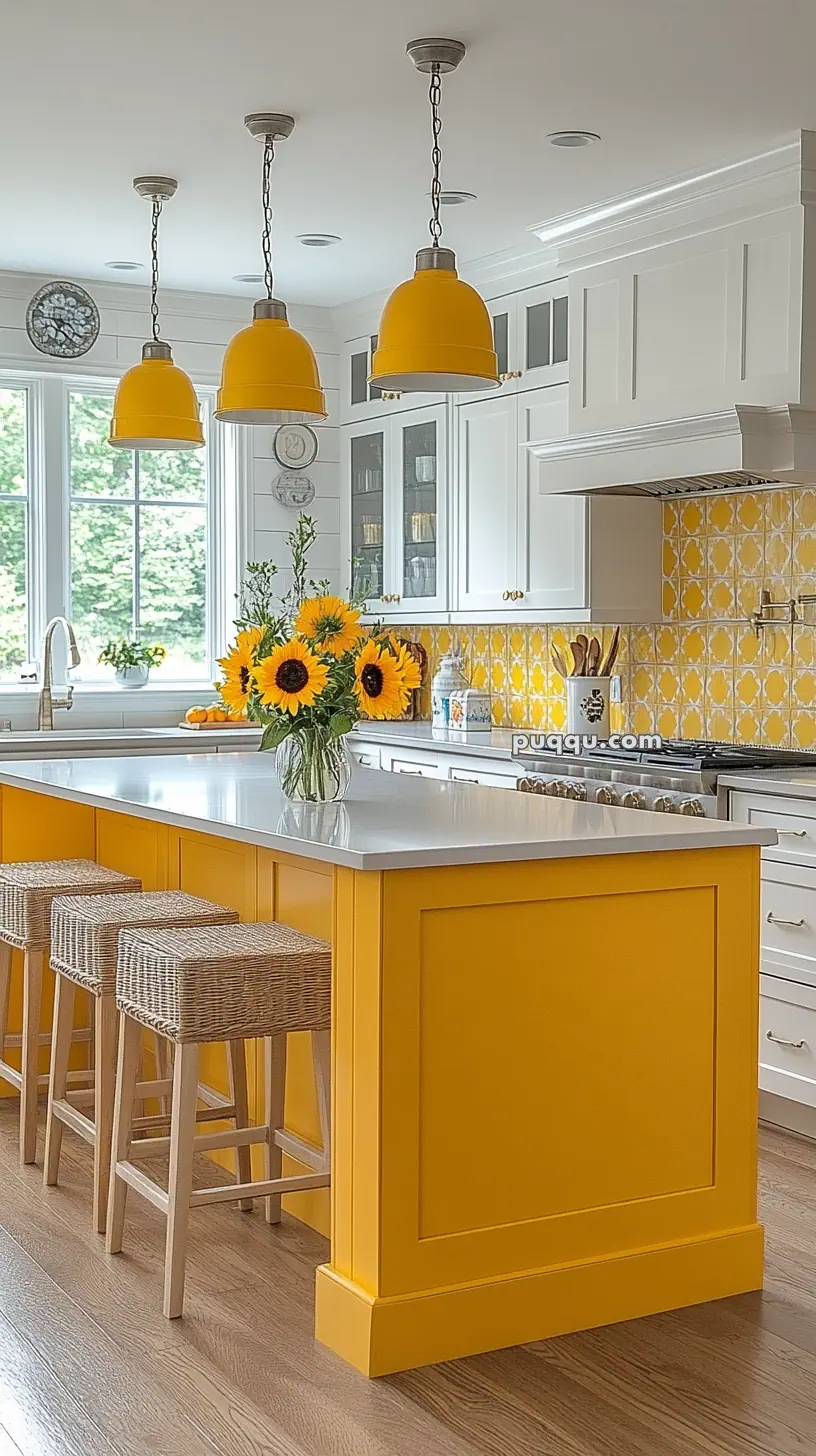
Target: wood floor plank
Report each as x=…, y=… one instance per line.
x=87, y=1364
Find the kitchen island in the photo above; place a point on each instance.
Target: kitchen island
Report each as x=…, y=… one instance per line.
x=544, y=1034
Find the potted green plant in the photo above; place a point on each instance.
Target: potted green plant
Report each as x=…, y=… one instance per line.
x=132, y=661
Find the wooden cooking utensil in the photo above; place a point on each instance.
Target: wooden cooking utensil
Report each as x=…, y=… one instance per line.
x=578, y=656
x=583, y=642
x=593, y=657
x=559, y=662
x=609, y=660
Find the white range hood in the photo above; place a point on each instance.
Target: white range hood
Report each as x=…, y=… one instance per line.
x=742, y=447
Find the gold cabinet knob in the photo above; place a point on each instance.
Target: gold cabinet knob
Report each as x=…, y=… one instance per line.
x=506, y=596
x=503, y=378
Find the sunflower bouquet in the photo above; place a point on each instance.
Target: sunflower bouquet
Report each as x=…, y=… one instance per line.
x=304, y=668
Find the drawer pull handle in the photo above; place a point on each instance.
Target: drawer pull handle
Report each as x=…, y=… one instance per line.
x=780, y=1041
x=416, y=771
x=776, y=920
x=463, y=779
x=797, y=833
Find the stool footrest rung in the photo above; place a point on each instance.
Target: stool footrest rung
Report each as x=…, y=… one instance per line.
x=243, y=1137
x=140, y=1183
x=154, y=1089
x=303, y=1152
x=76, y=1120
x=12, y=1075
x=232, y=1192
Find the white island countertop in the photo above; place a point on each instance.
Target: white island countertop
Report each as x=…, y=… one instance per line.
x=387, y=821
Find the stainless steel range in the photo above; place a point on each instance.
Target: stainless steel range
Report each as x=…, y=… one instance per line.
x=679, y=778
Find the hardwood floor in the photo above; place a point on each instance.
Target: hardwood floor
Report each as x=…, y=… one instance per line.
x=88, y=1366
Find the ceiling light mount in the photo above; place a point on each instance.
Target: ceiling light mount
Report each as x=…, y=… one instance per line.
x=573, y=138
x=435, y=53
x=274, y=124
x=155, y=189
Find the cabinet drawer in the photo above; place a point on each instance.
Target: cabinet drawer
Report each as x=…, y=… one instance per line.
x=484, y=777
x=421, y=766
x=793, y=819
x=788, y=924
x=367, y=755
x=787, y=1043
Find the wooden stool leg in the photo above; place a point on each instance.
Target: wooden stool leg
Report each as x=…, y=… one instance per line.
x=105, y=1039
x=275, y=1094
x=64, y=999
x=32, y=1004
x=130, y=1039
x=321, y=1054
x=239, y=1095
x=161, y=1058
x=180, y=1183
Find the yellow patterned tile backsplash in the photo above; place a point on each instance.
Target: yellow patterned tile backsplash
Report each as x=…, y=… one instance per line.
x=702, y=671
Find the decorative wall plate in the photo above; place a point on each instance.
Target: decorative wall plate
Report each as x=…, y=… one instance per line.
x=292, y=489
x=62, y=320
x=295, y=446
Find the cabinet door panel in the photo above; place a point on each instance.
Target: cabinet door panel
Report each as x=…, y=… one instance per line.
x=486, y=517
x=542, y=331
x=368, y=467
x=419, y=460
x=552, y=529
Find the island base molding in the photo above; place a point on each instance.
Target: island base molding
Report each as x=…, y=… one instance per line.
x=380, y=1336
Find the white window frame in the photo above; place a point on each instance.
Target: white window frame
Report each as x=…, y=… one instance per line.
x=48, y=481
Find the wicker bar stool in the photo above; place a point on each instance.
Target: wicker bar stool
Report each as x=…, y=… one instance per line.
x=26, y=892
x=84, y=937
x=197, y=986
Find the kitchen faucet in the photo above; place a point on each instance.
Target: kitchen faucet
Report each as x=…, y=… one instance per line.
x=47, y=701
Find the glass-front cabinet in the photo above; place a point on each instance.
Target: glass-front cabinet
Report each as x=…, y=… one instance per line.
x=396, y=488
x=530, y=336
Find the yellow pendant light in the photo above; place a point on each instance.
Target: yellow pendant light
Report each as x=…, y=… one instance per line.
x=269, y=375
x=435, y=333
x=155, y=407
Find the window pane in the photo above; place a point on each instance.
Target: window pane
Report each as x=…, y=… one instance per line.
x=96, y=469
x=173, y=556
x=501, y=323
x=13, y=532
x=12, y=441
x=560, y=329
x=165, y=474
x=538, y=335
x=101, y=579
x=13, y=617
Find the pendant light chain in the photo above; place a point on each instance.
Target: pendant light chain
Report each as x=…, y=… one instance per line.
x=435, y=96
x=154, y=278
x=266, y=238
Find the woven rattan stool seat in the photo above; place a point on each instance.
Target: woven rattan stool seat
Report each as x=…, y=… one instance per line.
x=85, y=929
x=27, y=889
x=225, y=982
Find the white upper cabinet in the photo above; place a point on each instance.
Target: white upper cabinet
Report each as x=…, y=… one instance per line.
x=523, y=555
x=690, y=327
x=360, y=400
x=530, y=336
x=394, y=517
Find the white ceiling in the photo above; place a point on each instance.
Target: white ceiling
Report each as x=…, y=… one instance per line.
x=94, y=92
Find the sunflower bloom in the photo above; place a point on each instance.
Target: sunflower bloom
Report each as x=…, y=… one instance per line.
x=329, y=623
x=291, y=677
x=238, y=667
x=379, y=682
x=410, y=669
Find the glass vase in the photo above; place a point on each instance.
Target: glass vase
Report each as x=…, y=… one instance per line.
x=313, y=767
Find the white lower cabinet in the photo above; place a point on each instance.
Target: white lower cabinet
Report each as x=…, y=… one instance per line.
x=787, y=1040
x=423, y=763
x=787, y=1002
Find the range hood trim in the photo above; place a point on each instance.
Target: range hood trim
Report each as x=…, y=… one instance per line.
x=738, y=448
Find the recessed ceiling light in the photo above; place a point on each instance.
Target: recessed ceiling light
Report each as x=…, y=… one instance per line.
x=572, y=138
x=319, y=240
x=247, y=278
x=121, y=265
x=455, y=199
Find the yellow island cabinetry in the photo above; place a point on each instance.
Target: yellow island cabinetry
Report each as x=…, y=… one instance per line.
x=544, y=1040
